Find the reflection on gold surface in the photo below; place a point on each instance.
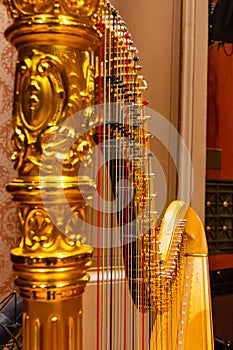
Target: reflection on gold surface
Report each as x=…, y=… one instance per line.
x=54, y=80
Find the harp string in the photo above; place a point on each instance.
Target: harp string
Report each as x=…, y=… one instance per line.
x=126, y=214
x=142, y=233
x=99, y=277
x=106, y=137
x=115, y=93
x=110, y=254
x=118, y=166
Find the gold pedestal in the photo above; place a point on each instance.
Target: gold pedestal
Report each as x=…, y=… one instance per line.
x=52, y=291
x=55, y=327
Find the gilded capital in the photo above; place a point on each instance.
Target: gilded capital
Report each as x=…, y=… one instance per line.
x=47, y=22
x=74, y=8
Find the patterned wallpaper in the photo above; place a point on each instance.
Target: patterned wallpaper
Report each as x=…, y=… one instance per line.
x=8, y=216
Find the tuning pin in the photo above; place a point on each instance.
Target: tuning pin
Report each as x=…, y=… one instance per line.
x=127, y=35
x=114, y=13
x=138, y=67
x=133, y=49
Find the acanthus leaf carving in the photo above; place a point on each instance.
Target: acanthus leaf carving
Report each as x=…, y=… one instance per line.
x=37, y=227
x=48, y=91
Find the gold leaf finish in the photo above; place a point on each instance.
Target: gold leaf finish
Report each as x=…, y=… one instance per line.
x=54, y=80
x=83, y=8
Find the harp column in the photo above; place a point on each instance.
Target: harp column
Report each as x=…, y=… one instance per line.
x=54, y=80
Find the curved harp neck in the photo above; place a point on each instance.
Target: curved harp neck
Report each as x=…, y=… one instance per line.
x=185, y=322
x=194, y=229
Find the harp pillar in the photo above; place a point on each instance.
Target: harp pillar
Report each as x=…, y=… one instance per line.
x=54, y=80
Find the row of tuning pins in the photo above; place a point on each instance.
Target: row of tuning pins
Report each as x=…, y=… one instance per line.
x=130, y=84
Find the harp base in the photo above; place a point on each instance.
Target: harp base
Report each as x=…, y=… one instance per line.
x=52, y=289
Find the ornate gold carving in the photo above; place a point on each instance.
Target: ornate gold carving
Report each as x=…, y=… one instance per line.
x=41, y=78
x=48, y=90
x=42, y=234
x=71, y=23
x=81, y=8
x=39, y=229
x=56, y=151
x=54, y=80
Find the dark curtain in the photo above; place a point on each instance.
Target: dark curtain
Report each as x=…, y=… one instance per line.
x=222, y=22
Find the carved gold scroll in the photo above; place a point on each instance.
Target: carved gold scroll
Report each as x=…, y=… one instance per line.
x=54, y=80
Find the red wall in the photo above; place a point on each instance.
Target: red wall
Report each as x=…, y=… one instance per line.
x=220, y=108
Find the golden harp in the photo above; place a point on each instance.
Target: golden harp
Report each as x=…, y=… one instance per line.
x=79, y=92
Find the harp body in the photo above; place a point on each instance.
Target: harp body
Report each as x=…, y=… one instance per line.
x=180, y=317
x=78, y=82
